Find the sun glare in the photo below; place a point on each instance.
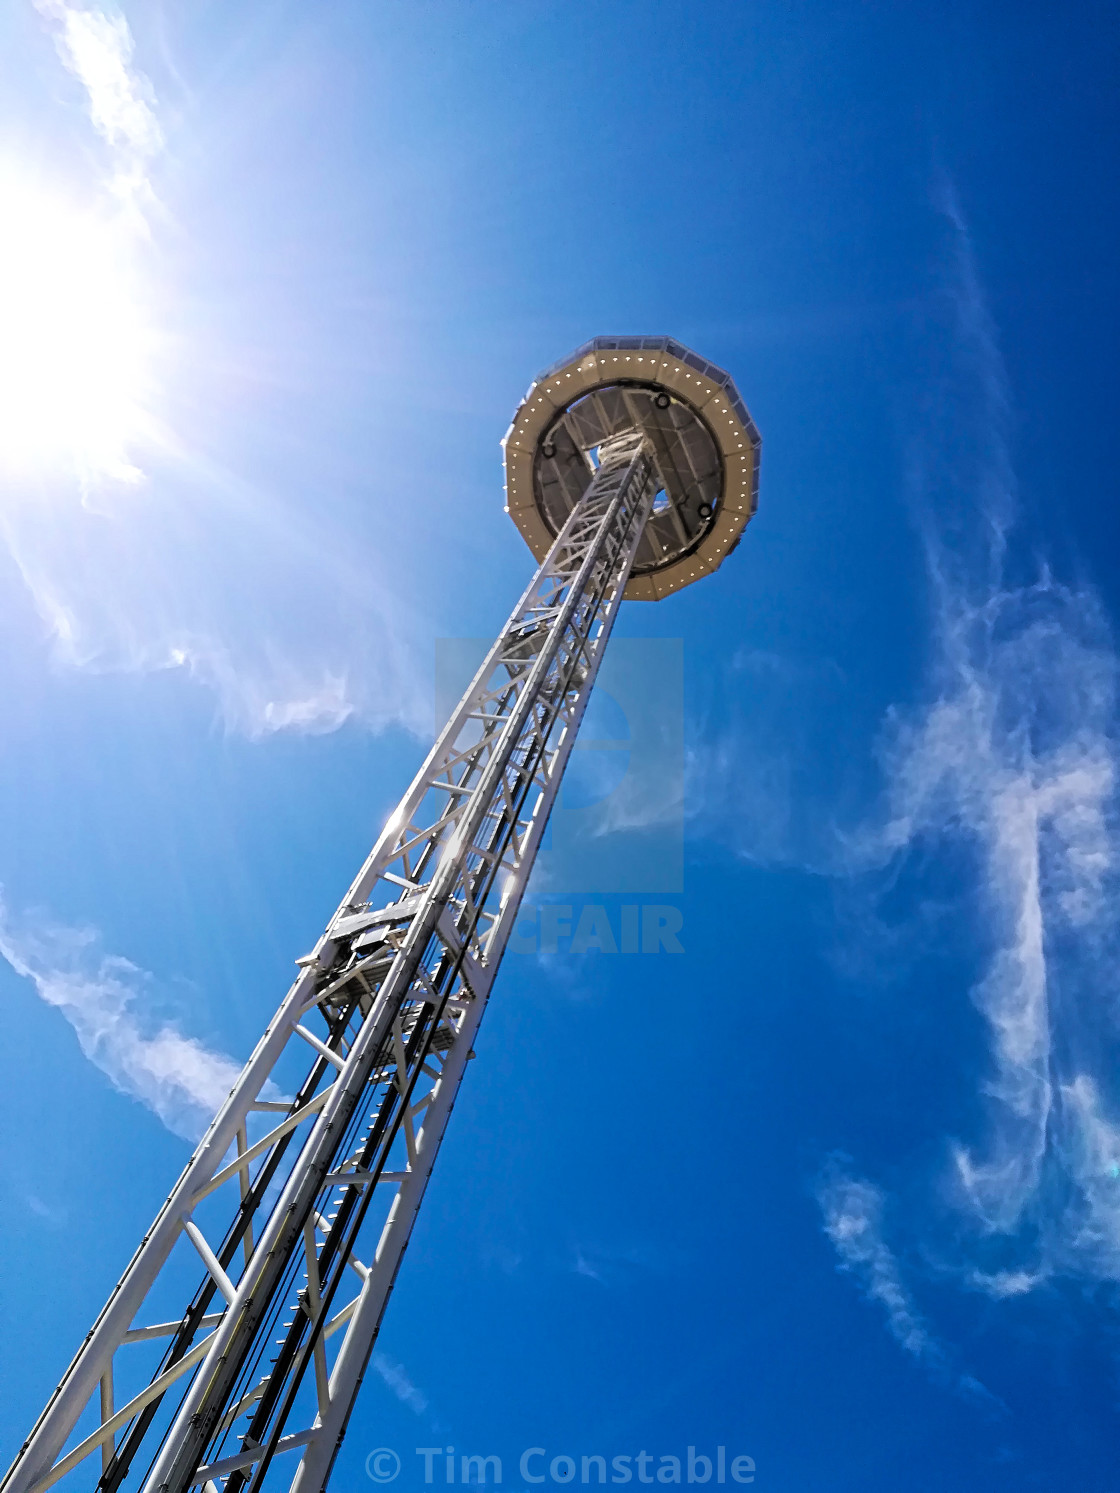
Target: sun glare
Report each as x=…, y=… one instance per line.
x=72, y=341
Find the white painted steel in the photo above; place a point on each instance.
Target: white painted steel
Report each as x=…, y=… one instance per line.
x=401, y=989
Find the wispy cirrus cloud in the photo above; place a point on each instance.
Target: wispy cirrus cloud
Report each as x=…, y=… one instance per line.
x=396, y=1377
x=1009, y=764
x=97, y=47
x=1015, y=757
x=76, y=344
x=852, y=1209
x=137, y=587
x=103, y=997
x=141, y=551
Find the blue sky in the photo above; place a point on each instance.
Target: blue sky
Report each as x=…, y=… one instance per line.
x=839, y=1186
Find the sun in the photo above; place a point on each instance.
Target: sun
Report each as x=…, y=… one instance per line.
x=73, y=346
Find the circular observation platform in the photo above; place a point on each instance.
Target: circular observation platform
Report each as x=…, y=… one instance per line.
x=706, y=449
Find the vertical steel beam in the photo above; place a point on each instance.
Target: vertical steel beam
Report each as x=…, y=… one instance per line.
x=399, y=982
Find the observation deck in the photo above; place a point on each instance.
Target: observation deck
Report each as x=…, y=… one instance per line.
x=706, y=448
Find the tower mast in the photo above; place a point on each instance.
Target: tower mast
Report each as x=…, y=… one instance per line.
x=631, y=470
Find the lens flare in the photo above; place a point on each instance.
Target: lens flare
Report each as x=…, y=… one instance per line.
x=73, y=353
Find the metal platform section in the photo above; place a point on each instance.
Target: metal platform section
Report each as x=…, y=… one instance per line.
x=706, y=453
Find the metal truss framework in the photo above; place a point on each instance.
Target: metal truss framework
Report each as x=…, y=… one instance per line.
x=269, y=1352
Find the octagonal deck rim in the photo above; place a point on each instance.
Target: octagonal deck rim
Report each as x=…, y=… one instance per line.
x=539, y=408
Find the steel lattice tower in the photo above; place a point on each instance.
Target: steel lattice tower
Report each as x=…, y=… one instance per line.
x=631, y=470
